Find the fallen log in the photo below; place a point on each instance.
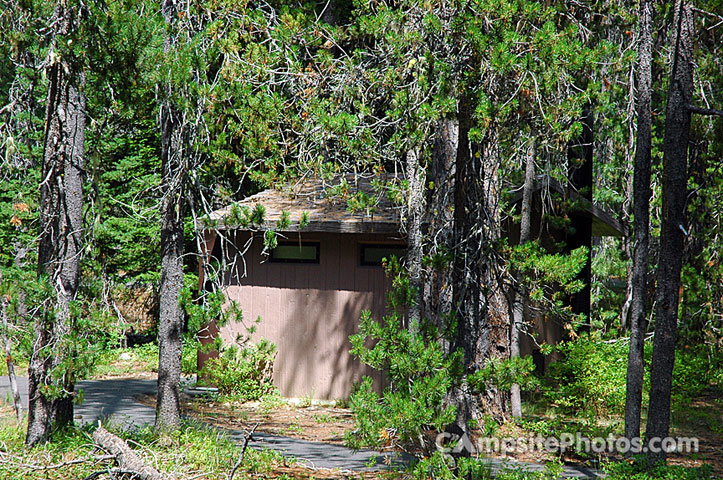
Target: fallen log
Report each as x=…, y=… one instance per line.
x=128, y=460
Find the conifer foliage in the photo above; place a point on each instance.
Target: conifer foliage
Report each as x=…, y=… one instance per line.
x=124, y=124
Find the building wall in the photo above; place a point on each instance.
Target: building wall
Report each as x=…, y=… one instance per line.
x=309, y=310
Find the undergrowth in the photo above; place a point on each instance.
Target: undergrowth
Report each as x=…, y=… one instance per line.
x=194, y=451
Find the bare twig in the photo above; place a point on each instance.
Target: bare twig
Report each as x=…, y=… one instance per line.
x=248, y=436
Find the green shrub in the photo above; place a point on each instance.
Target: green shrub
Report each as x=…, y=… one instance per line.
x=419, y=374
x=696, y=370
x=638, y=471
x=243, y=372
x=590, y=377
x=440, y=466
x=502, y=373
x=189, y=358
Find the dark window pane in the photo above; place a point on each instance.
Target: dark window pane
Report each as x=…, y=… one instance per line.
x=373, y=254
x=296, y=253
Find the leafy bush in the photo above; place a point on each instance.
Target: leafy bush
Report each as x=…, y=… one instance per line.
x=243, y=372
x=440, y=466
x=189, y=358
x=696, y=370
x=590, y=377
x=639, y=471
x=502, y=373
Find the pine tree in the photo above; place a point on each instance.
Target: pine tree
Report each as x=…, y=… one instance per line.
x=61, y=217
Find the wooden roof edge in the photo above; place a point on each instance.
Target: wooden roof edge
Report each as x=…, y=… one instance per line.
x=606, y=224
x=616, y=225
x=616, y=228
x=380, y=225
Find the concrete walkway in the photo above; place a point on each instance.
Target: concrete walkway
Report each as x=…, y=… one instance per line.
x=113, y=400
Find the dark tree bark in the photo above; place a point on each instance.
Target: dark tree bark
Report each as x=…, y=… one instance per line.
x=475, y=300
x=39, y=407
x=580, y=175
x=170, y=322
x=472, y=336
x=520, y=296
x=641, y=210
x=61, y=216
x=675, y=156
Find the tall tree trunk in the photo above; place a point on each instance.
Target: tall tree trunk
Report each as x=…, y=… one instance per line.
x=71, y=223
x=641, y=210
x=472, y=338
x=60, y=249
x=497, y=320
x=439, y=219
x=415, y=210
x=580, y=176
x=675, y=156
x=474, y=230
x=170, y=322
x=520, y=296
x=39, y=406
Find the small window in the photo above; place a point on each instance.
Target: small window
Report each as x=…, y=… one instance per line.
x=372, y=255
x=295, y=252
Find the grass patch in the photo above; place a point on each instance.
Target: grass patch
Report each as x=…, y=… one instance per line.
x=323, y=418
x=194, y=451
x=121, y=362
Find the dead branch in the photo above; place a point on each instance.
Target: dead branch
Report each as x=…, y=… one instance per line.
x=9, y=362
x=705, y=111
x=111, y=471
x=127, y=459
x=248, y=436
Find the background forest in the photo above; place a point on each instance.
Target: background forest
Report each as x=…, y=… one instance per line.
x=124, y=124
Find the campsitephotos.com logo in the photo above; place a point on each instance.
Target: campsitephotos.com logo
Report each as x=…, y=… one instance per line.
x=451, y=443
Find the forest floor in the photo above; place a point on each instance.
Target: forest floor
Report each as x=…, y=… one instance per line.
x=328, y=425
x=702, y=419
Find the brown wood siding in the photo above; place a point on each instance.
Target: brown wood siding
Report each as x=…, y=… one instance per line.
x=309, y=311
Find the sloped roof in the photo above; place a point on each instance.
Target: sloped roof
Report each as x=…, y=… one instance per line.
x=327, y=212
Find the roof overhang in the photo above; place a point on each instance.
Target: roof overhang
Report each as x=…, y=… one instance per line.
x=285, y=208
x=603, y=222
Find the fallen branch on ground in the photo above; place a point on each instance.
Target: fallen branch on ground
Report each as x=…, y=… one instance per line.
x=127, y=459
